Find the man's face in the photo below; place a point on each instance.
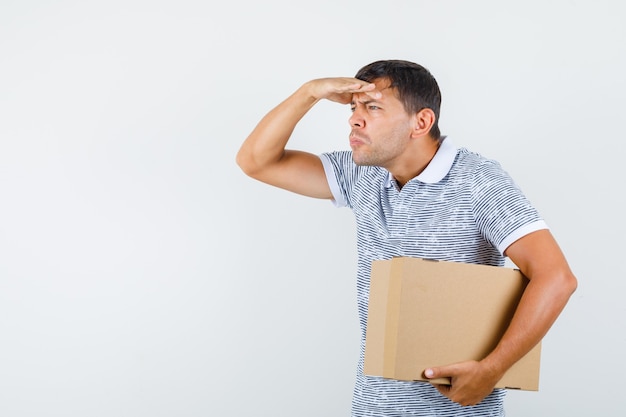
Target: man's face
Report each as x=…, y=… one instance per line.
x=380, y=128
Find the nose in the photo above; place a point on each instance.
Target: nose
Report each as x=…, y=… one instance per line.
x=356, y=119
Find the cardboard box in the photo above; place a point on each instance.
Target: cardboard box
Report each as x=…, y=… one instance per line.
x=425, y=313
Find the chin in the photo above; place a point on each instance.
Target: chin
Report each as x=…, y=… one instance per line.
x=357, y=160
x=364, y=159
x=362, y=162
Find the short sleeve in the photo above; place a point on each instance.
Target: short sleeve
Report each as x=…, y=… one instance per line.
x=502, y=211
x=341, y=174
x=339, y=199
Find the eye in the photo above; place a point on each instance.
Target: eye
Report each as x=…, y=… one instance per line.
x=352, y=108
x=373, y=107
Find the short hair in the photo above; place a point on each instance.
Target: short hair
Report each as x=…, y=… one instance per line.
x=416, y=87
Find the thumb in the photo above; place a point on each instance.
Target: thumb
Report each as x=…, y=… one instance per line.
x=432, y=373
x=437, y=375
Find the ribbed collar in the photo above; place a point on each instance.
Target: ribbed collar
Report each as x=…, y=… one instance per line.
x=438, y=167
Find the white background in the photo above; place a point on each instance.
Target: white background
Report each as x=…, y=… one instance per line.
x=142, y=274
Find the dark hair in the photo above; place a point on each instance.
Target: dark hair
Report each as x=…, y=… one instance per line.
x=416, y=87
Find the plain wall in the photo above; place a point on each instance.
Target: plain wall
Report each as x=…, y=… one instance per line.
x=143, y=274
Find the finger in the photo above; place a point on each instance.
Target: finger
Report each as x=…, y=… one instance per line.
x=443, y=389
x=438, y=376
x=440, y=371
x=359, y=87
x=369, y=89
x=375, y=94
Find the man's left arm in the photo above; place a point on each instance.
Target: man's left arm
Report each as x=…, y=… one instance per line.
x=551, y=283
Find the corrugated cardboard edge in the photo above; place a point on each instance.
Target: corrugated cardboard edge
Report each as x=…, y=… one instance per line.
x=383, y=313
x=392, y=322
x=377, y=318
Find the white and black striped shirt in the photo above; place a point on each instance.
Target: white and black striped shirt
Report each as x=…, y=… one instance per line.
x=462, y=207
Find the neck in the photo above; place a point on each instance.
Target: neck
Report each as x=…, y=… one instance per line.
x=418, y=157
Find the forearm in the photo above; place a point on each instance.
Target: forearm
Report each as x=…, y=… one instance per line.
x=266, y=143
x=542, y=302
x=551, y=284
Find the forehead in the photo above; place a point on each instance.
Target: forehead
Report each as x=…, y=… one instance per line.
x=383, y=85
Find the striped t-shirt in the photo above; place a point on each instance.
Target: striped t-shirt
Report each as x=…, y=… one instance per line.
x=462, y=207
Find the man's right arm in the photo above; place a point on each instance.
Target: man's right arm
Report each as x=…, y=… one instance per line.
x=263, y=155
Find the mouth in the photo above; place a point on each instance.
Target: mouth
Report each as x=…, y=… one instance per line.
x=357, y=140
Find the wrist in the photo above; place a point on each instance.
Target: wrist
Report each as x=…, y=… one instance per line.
x=310, y=92
x=493, y=367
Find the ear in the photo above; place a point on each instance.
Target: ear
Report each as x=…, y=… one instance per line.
x=424, y=120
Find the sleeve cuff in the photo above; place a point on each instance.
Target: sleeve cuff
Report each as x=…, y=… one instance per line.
x=338, y=199
x=521, y=232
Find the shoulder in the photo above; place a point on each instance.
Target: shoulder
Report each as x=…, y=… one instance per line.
x=470, y=159
x=478, y=168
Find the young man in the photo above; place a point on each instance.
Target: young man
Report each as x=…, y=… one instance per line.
x=415, y=194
